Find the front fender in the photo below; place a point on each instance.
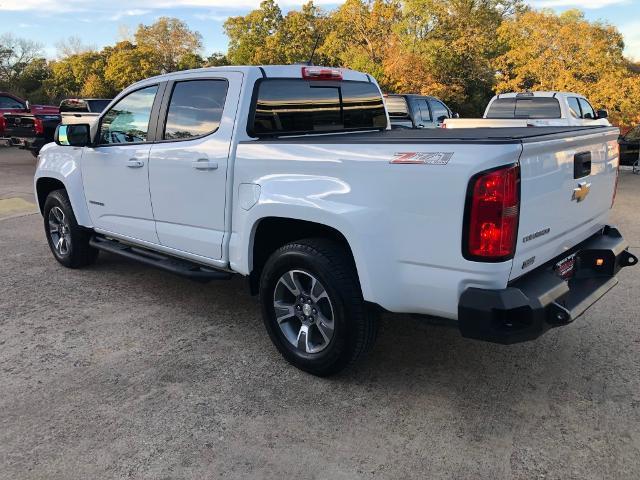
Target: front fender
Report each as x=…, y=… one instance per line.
x=63, y=164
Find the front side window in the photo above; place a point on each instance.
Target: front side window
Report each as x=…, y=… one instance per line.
x=195, y=108
x=295, y=106
x=440, y=112
x=128, y=120
x=574, y=107
x=587, y=110
x=9, y=103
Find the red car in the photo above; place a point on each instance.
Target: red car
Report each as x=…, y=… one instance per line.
x=11, y=104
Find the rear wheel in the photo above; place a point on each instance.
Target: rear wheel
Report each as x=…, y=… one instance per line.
x=68, y=241
x=313, y=307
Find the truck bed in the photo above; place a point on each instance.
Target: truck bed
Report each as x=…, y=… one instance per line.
x=439, y=135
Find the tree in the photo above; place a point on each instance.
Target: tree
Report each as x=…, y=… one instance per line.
x=15, y=56
x=168, y=41
x=128, y=63
x=545, y=51
x=72, y=46
x=249, y=34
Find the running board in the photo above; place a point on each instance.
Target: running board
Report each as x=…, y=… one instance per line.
x=184, y=268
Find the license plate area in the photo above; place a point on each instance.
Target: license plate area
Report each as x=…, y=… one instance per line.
x=566, y=268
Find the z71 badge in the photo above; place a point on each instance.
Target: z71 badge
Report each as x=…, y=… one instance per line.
x=422, y=158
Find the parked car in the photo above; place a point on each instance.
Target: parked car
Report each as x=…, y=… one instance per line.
x=291, y=177
x=630, y=146
x=10, y=103
x=416, y=111
x=33, y=129
x=535, y=109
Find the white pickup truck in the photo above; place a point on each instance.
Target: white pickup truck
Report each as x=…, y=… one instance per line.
x=290, y=176
x=535, y=109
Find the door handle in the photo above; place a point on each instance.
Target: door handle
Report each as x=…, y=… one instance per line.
x=204, y=164
x=135, y=163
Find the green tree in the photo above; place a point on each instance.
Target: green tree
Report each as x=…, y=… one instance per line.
x=128, y=63
x=249, y=34
x=168, y=41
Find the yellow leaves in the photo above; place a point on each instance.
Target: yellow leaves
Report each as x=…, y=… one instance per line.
x=546, y=51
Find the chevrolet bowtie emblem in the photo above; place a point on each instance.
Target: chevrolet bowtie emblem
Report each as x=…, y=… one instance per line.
x=581, y=192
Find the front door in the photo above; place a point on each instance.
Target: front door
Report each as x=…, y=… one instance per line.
x=115, y=171
x=188, y=162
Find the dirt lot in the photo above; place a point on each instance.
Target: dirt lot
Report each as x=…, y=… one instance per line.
x=122, y=371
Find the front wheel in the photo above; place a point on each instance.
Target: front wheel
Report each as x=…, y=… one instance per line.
x=68, y=241
x=313, y=308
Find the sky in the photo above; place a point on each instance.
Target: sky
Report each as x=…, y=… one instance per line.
x=98, y=22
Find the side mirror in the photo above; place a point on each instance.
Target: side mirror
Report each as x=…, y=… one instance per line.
x=442, y=118
x=27, y=106
x=78, y=135
x=455, y=115
x=602, y=114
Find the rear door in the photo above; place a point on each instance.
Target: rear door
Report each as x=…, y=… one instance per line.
x=188, y=164
x=567, y=186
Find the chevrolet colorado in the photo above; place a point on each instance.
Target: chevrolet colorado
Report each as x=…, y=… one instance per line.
x=291, y=177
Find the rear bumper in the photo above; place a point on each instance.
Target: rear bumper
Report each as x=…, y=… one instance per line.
x=540, y=300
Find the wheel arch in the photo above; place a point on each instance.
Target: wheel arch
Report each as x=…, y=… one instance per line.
x=272, y=232
x=46, y=184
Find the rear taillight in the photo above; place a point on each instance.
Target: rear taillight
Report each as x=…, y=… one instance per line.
x=3, y=124
x=38, y=126
x=320, y=73
x=491, y=215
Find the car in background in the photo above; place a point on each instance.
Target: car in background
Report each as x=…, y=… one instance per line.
x=416, y=111
x=10, y=103
x=630, y=146
x=33, y=129
x=536, y=109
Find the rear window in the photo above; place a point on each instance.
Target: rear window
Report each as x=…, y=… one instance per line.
x=98, y=105
x=294, y=106
x=73, y=105
x=528, y=107
x=397, y=107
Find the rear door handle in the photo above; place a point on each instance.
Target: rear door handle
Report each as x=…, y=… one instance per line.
x=135, y=163
x=204, y=164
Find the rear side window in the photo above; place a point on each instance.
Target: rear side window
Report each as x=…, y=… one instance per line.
x=530, y=107
x=294, y=106
x=422, y=113
x=195, y=108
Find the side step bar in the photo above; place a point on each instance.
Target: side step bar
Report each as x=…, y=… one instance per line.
x=184, y=268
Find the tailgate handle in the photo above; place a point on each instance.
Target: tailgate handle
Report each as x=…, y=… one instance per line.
x=581, y=164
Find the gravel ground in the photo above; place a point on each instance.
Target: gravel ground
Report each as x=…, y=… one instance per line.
x=122, y=371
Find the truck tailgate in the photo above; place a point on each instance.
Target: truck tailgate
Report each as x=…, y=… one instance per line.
x=567, y=188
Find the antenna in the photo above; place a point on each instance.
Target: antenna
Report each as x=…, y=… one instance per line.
x=313, y=52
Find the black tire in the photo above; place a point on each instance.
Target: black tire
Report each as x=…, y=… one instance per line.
x=355, y=325
x=78, y=252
